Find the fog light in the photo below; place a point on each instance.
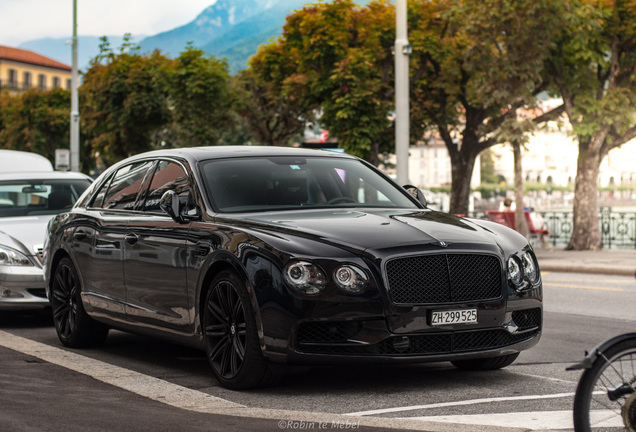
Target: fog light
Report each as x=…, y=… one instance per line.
x=401, y=344
x=5, y=293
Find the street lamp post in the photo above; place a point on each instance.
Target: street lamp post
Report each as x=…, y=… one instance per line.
x=74, y=159
x=402, y=50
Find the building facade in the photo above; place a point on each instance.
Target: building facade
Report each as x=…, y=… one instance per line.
x=22, y=69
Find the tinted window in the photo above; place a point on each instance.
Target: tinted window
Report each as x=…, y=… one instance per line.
x=123, y=189
x=168, y=176
x=39, y=197
x=257, y=184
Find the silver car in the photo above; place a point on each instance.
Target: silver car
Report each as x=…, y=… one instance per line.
x=28, y=200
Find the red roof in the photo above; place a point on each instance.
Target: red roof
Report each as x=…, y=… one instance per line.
x=26, y=56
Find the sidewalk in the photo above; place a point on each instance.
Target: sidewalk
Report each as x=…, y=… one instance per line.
x=606, y=261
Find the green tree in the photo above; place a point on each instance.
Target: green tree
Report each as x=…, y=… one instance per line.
x=200, y=99
x=473, y=65
x=593, y=62
x=272, y=117
x=335, y=59
x=39, y=122
x=124, y=101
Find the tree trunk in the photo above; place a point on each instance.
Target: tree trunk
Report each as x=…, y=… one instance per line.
x=462, y=166
x=521, y=226
x=585, y=230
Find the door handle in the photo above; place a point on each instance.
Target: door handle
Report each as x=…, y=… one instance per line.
x=131, y=239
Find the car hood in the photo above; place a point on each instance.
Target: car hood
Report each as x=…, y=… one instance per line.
x=25, y=234
x=385, y=229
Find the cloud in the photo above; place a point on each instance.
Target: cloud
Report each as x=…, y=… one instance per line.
x=23, y=20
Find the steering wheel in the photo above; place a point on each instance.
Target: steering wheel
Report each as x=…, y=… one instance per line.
x=341, y=199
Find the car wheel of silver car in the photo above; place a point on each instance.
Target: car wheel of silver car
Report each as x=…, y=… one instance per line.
x=231, y=337
x=490, y=363
x=74, y=327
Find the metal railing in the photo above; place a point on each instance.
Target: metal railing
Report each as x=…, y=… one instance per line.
x=618, y=228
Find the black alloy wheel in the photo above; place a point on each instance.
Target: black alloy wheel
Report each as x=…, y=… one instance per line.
x=231, y=337
x=74, y=327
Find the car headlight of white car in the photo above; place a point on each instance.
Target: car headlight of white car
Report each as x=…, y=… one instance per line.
x=12, y=257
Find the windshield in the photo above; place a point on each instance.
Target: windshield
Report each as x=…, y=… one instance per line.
x=273, y=183
x=39, y=197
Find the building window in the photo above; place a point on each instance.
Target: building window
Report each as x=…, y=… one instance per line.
x=26, y=80
x=42, y=82
x=13, y=79
x=56, y=82
x=68, y=84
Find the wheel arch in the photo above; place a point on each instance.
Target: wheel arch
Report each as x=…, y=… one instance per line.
x=221, y=263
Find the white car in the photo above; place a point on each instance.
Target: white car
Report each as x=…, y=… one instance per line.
x=31, y=193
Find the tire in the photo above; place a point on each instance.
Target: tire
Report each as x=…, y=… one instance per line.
x=483, y=364
x=74, y=327
x=231, y=337
x=613, y=371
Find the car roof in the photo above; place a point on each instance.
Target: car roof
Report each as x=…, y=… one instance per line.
x=223, y=152
x=14, y=161
x=52, y=175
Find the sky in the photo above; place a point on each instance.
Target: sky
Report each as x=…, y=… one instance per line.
x=24, y=20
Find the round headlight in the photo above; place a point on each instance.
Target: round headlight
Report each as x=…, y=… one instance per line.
x=530, y=268
x=350, y=279
x=305, y=277
x=514, y=271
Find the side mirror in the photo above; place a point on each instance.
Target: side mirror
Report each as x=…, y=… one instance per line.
x=417, y=194
x=170, y=204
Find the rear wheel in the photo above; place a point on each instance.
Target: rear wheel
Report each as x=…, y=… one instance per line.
x=231, y=336
x=490, y=363
x=74, y=327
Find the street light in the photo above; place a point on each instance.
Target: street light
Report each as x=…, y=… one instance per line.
x=402, y=51
x=74, y=99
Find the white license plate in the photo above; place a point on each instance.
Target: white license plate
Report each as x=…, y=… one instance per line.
x=459, y=316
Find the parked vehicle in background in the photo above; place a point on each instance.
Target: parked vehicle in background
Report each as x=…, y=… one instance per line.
x=30, y=194
x=266, y=256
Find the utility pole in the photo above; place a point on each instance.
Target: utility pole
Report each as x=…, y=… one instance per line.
x=402, y=51
x=74, y=99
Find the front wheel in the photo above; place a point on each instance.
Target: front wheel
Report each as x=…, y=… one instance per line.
x=605, y=398
x=490, y=363
x=74, y=327
x=231, y=336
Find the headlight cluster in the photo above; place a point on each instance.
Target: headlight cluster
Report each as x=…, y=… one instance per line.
x=522, y=270
x=307, y=278
x=12, y=257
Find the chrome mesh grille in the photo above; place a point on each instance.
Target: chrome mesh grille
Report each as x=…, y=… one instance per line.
x=444, y=278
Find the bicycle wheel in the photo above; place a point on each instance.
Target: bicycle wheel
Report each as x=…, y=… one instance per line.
x=605, y=399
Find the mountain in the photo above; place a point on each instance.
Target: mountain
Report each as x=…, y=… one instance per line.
x=230, y=29
x=241, y=41
x=212, y=22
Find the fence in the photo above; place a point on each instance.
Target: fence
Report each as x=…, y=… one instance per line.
x=618, y=228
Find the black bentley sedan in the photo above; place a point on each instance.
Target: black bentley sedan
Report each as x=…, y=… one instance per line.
x=266, y=257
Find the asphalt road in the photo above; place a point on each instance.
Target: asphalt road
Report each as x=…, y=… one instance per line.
x=137, y=384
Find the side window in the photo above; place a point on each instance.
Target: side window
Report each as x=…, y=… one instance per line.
x=168, y=176
x=125, y=186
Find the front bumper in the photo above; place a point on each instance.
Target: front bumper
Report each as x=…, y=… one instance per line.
x=22, y=288
x=371, y=341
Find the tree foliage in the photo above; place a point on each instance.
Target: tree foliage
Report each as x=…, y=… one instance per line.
x=39, y=122
x=474, y=65
x=124, y=100
x=199, y=97
x=335, y=59
x=272, y=118
x=593, y=62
